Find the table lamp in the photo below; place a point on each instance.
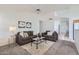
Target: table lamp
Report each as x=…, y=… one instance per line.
x=12, y=29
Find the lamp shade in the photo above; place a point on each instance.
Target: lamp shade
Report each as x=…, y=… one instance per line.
x=12, y=28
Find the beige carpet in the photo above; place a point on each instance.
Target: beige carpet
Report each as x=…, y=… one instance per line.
x=42, y=47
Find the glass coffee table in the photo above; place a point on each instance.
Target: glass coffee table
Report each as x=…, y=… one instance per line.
x=37, y=41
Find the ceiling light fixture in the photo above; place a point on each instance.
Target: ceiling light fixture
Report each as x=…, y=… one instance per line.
x=38, y=11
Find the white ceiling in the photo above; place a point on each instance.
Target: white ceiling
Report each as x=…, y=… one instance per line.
x=33, y=7
x=45, y=8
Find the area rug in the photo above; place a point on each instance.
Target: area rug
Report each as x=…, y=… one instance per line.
x=42, y=47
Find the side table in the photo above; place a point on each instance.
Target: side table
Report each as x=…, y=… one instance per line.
x=11, y=40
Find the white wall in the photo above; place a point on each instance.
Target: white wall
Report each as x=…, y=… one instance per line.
x=6, y=20
x=29, y=17
x=48, y=25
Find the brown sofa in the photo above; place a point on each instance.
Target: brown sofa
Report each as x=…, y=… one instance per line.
x=21, y=40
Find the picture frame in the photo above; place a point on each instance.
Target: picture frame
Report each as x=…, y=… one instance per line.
x=21, y=24
x=28, y=24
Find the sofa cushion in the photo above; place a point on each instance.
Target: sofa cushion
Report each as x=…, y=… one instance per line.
x=21, y=33
x=49, y=33
x=26, y=35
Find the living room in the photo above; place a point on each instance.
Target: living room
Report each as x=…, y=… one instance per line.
x=38, y=19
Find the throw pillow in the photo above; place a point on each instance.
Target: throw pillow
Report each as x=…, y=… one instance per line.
x=21, y=33
x=49, y=33
x=26, y=35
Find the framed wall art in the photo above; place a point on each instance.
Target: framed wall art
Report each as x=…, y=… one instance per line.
x=28, y=25
x=21, y=24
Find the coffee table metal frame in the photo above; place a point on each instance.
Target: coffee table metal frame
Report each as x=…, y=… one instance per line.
x=37, y=41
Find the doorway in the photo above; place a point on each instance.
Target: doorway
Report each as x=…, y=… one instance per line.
x=64, y=27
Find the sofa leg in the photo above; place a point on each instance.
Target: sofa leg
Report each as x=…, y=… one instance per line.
x=36, y=46
x=31, y=43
